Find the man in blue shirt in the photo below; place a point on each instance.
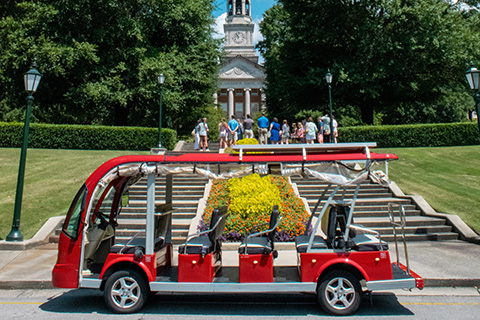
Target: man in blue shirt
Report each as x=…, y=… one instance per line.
x=262, y=123
x=232, y=131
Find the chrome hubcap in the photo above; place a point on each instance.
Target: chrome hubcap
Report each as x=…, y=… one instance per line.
x=125, y=292
x=340, y=293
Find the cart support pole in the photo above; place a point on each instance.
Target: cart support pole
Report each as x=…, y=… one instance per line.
x=150, y=222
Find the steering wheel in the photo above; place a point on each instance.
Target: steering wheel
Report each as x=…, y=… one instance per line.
x=100, y=215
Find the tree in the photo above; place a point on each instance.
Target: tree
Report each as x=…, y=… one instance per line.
x=386, y=56
x=101, y=59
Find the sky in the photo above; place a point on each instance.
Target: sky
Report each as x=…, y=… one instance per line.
x=258, y=8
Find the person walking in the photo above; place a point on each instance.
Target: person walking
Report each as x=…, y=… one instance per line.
x=203, y=131
x=195, y=132
x=262, y=124
x=248, y=127
x=326, y=129
x=232, y=129
x=300, y=133
x=222, y=129
x=275, y=131
x=293, y=135
x=285, y=133
x=311, y=131
x=320, y=130
x=335, y=129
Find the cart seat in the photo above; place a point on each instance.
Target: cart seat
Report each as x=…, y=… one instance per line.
x=257, y=245
x=301, y=243
x=207, y=242
x=368, y=242
x=137, y=243
x=261, y=245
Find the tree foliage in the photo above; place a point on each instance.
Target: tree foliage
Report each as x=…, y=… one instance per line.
x=101, y=60
x=403, y=58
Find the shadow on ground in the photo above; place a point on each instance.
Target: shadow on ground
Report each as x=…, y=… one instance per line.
x=86, y=301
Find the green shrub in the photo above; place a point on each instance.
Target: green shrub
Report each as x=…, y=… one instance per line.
x=415, y=135
x=51, y=136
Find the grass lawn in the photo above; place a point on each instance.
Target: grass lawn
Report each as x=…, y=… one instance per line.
x=447, y=177
x=52, y=178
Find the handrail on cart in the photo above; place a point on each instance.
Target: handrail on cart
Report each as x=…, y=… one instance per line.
x=401, y=224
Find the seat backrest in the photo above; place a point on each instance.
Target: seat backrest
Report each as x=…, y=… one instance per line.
x=218, y=213
x=163, y=220
x=331, y=225
x=273, y=222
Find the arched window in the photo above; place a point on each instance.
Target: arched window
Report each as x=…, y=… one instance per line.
x=247, y=7
x=230, y=7
x=238, y=7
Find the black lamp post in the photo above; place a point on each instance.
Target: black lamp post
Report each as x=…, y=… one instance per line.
x=32, y=79
x=161, y=80
x=473, y=78
x=328, y=78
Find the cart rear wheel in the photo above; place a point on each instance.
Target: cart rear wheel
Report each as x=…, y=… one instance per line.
x=125, y=291
x=339, y=293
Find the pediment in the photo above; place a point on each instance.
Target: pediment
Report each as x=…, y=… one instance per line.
x=241, y=69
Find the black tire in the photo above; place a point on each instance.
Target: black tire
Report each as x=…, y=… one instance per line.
x=125, y=291
x=339, y=293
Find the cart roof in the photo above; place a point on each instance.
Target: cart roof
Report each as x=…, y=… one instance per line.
x=256, y=154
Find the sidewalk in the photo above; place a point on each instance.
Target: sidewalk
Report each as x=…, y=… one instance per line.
x=441, y=263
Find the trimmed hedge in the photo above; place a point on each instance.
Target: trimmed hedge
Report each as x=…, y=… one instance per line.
x=51, y=136
x=414, y=135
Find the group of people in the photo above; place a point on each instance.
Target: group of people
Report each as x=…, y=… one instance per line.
x=306, y=132
x=301, y=132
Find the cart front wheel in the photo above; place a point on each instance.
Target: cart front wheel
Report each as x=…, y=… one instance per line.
x=125, y=291
x=339, y=293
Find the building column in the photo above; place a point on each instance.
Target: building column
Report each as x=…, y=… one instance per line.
x=263, y=99
x=215, y=99
x=231, y=106
x=247, y=102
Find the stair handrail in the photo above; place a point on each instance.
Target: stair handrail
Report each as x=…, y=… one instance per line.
x=401, y=224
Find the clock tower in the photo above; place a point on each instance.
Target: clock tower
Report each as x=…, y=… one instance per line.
x=239, y=30
x=241, y=78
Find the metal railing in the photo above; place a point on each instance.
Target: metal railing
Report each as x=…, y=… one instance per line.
x=400, y=224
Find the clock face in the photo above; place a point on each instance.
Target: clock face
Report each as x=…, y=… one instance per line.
x=238, y=37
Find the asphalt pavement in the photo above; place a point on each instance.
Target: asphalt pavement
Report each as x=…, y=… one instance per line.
x=452, y=263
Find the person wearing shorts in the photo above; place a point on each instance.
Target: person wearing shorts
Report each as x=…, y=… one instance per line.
x=232, y=131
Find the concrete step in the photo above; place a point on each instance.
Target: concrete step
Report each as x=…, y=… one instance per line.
x=312, y=195
x=176, y=203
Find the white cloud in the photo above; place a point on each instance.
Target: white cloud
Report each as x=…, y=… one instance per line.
x=219, y=22
x=257, y=36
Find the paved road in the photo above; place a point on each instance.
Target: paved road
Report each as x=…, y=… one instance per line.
x=80, y=304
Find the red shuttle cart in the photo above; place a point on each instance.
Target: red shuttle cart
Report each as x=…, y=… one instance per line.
x=336, y=260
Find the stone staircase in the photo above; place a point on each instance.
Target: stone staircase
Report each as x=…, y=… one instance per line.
x=188, y=147
x=371, y=211
x=187, y=191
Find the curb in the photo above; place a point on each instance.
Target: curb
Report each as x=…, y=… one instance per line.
x=28, y=284
x=40, y=238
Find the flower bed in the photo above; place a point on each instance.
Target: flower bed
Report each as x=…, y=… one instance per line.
x=250, y=201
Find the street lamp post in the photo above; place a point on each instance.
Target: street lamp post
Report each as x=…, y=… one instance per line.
x=161, y=80
x=473, y=78
x=32, y=79
x=328, y=78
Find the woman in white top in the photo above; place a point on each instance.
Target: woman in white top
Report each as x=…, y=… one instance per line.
x=311, y=130
x=285, y=133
